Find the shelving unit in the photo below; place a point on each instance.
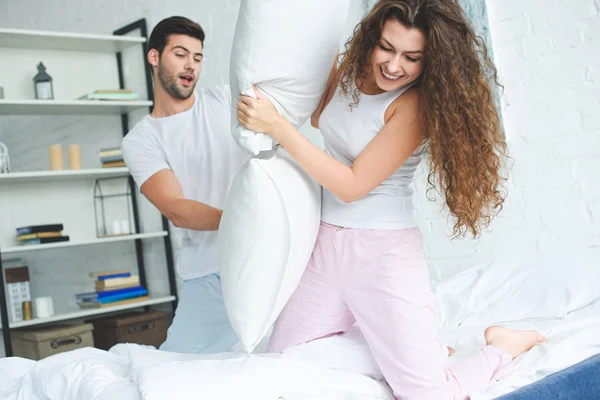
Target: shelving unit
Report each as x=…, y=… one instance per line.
x=66, y=174
x=70, y=107
x=116, y=43
x=28, y=39
x=90, y=313
x=113, y=239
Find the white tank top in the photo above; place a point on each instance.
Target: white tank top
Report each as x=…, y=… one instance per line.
x=346, y=133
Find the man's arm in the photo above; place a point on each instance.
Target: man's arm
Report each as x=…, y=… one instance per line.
x=164, y=191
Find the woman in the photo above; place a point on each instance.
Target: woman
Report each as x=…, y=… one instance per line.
x=412, y=76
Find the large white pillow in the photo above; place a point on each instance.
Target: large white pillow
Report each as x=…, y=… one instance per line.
x=271, y=218
x=266, y=237
x=541, y=286
x=286, y=48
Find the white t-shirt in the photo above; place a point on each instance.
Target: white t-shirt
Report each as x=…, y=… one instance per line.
x=198, y=147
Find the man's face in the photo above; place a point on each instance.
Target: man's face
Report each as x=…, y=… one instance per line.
x=179, y=65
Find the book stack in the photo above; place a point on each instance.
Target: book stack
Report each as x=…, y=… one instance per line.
x=40, y=234
x=113, y=288
x=111, y=157
x=110, y=94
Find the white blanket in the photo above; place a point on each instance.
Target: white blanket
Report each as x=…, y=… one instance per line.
x=340, y=367
x=570, y=340
x=329, y=369
x=131, y=371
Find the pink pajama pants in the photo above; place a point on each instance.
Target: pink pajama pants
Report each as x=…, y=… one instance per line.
x=379, y=279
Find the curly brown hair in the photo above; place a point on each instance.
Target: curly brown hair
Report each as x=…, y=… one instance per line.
x=458, y=114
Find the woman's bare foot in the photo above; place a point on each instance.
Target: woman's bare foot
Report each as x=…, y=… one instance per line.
x=512, y=341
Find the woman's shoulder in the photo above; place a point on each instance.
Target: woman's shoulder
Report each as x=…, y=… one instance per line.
x=411, y=95
x=407, y=101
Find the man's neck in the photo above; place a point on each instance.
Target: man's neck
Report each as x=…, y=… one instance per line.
x=166, y=105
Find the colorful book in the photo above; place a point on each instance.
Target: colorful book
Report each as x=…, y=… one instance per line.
x=110, y=153
x=114, y=164
x=46, y=240
x=110, y=149
x=118, y=292
x=108, y=293
x=39, y=235
x=108, y=159
x=123, y=296
x=111, y=288
x=121, y=275
x=112, y=283
x=91, y=296
x=95, y=304
x=113, y=91
x=39, y=228
x=137, y=292
x=104, y=273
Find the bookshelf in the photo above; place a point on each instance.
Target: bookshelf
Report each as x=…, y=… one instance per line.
x=33, y=183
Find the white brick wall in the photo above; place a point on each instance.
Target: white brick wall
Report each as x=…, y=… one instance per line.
x=548, y=55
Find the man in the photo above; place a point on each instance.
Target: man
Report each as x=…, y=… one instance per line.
x=183, y=158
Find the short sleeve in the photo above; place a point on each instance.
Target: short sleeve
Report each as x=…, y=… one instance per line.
x=223, y=94
x=143, y=155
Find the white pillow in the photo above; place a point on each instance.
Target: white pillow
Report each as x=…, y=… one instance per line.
x=266, y=237
x=271, y=218
x=543, y=286
x=286, y=48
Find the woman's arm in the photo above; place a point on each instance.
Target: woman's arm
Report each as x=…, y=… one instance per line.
x=392, y=146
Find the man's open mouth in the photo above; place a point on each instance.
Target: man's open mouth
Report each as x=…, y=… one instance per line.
x=187, y=79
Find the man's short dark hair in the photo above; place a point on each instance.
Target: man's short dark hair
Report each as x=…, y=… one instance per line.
x=173, y=26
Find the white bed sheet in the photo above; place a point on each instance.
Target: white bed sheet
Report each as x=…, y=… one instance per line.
x=571, y=339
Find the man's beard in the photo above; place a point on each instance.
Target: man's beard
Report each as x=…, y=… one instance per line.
x=169, y=83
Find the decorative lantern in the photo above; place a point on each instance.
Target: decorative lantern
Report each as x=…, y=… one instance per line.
x=43, y=84
x=113, y=204
x=4, y=160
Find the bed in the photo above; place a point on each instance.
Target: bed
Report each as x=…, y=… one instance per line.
x=558, y=296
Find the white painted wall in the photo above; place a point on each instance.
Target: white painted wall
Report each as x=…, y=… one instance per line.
x=548, y=55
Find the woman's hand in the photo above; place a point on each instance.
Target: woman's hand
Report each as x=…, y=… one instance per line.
x=258, y=115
